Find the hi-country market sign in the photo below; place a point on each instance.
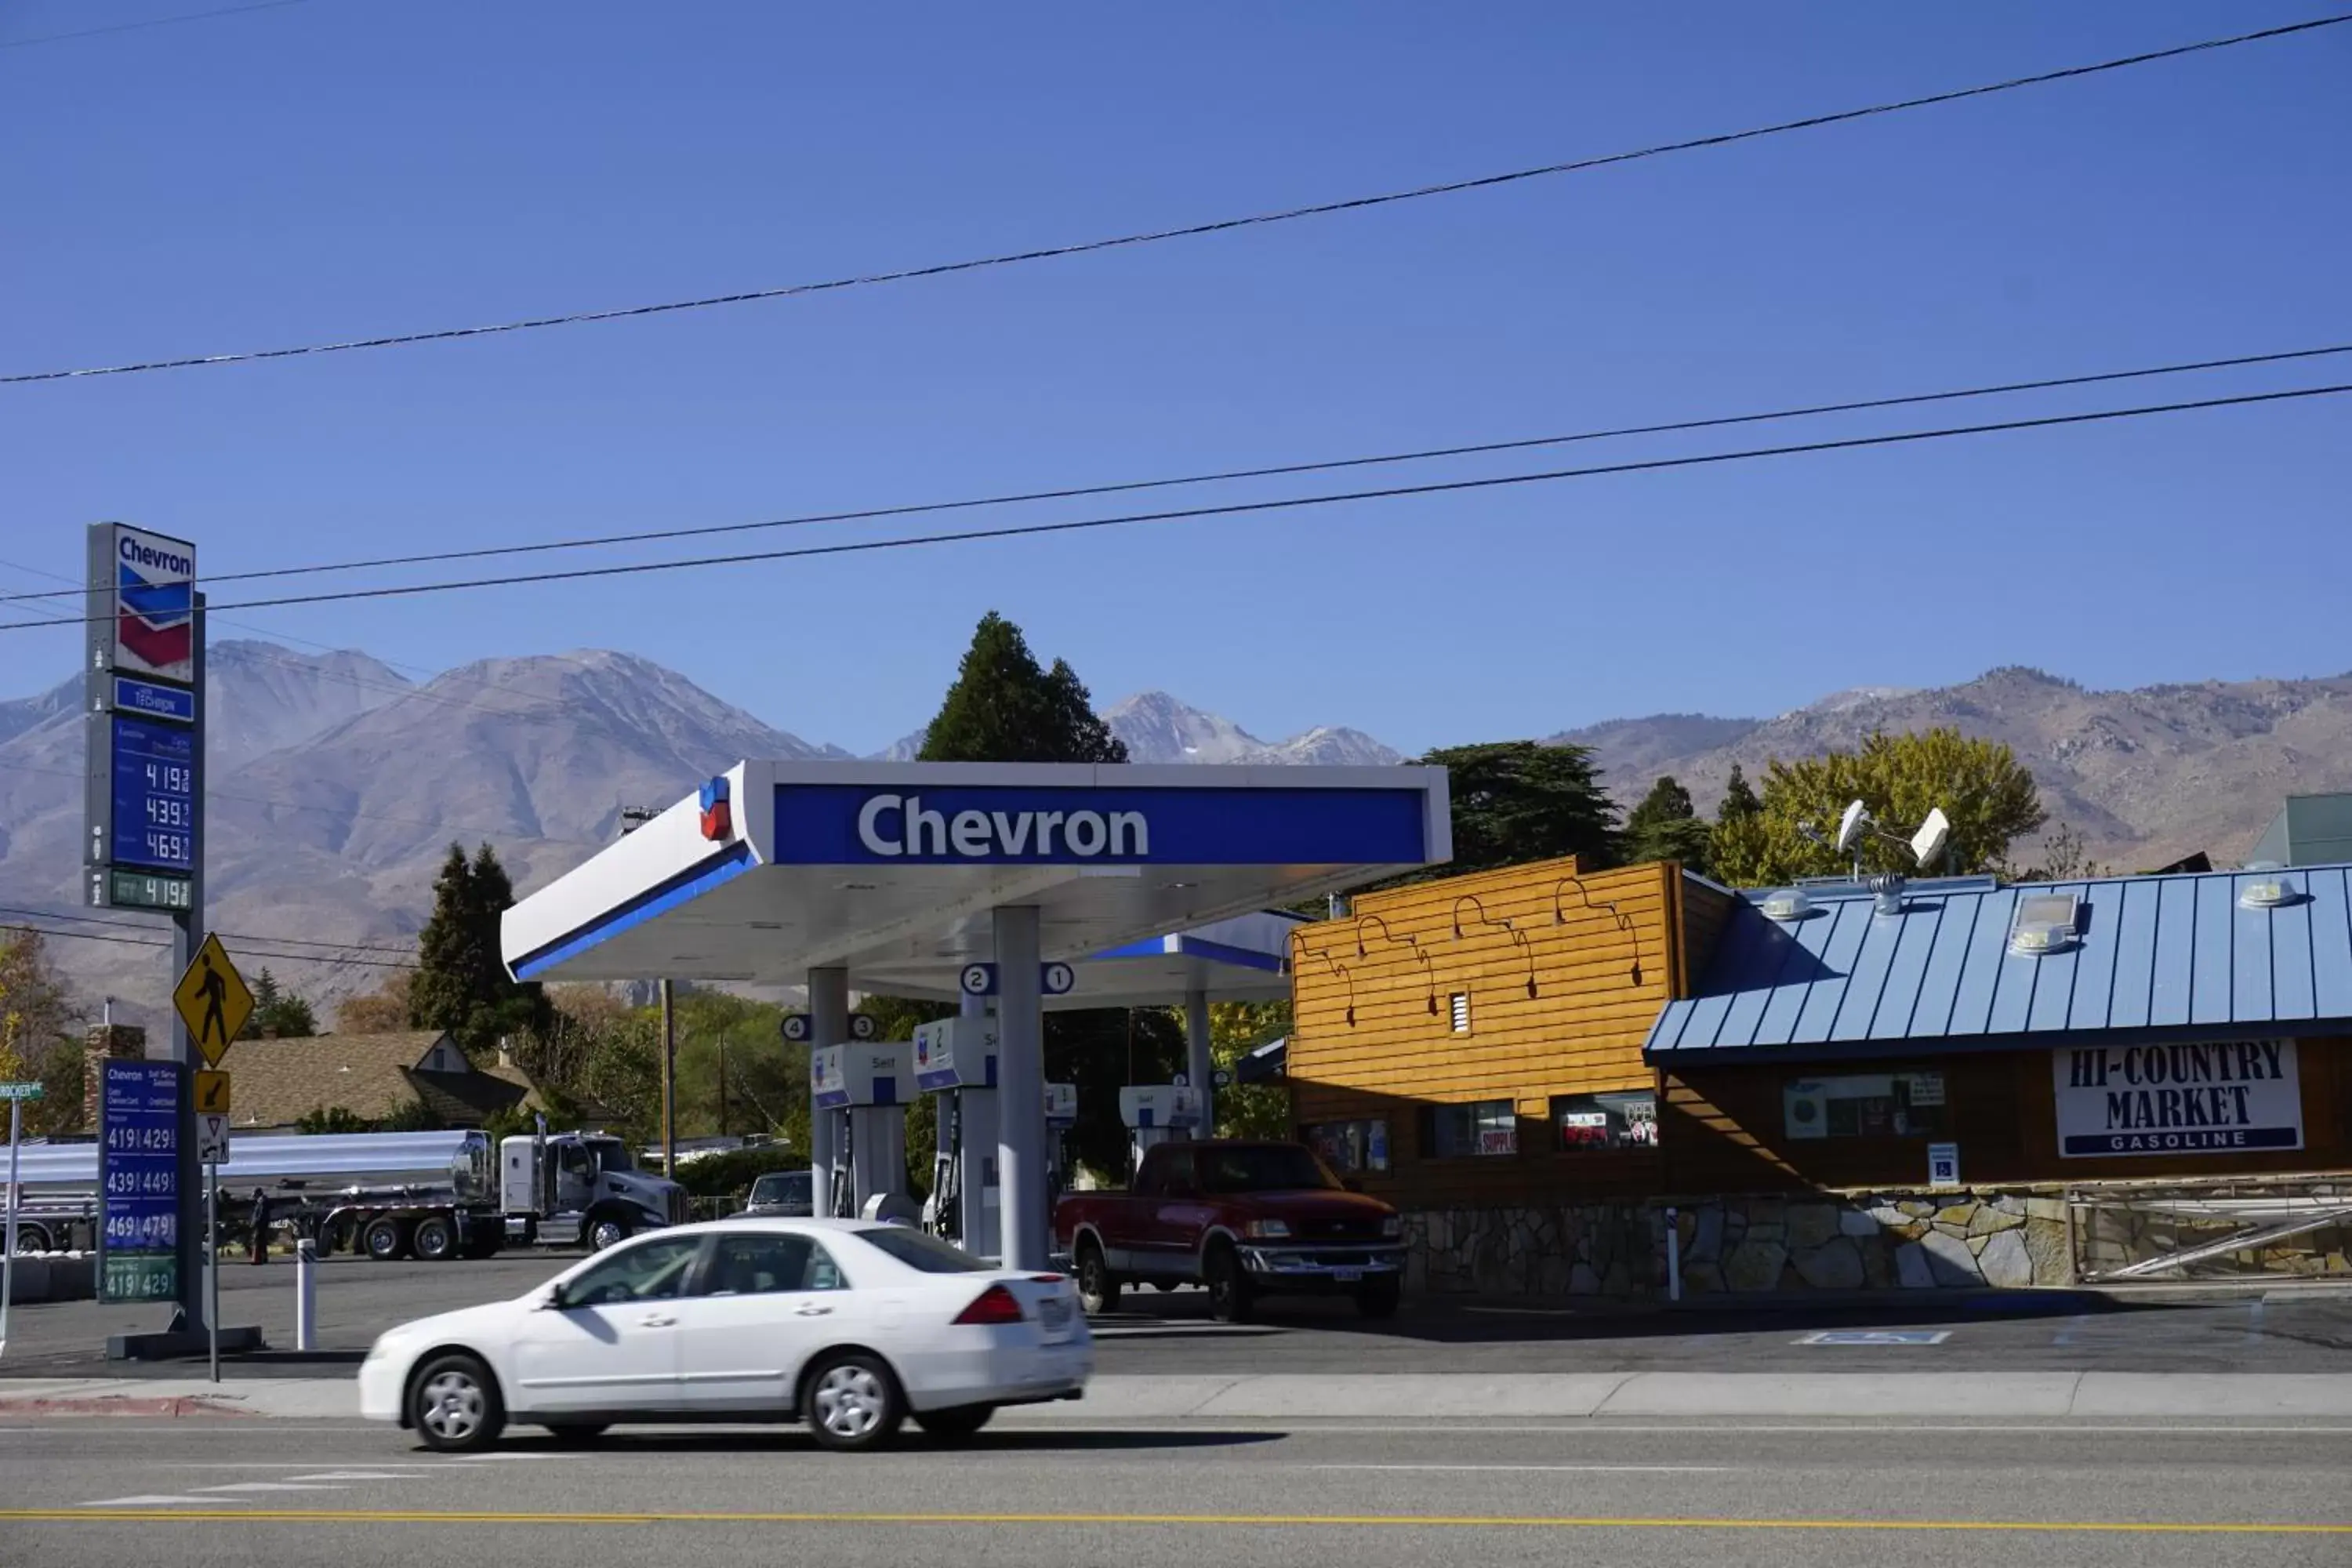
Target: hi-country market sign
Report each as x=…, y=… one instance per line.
x=2211, y=1097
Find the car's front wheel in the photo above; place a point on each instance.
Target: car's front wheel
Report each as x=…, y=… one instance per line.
x=454, y=1404
x=853, y=1402
x=957, y=1424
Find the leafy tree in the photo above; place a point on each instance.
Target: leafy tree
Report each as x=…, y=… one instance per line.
x=1739, y=801
x=333, y=1118
x=1665, y=826
x=276, y=1011
x=507, y=1122
x=1003, y=707
x=1248, y=1110
x=383, y=1011
x=460, y=985
x=1515, y=801
x=2065, y=859
x=413, y=1117
x=37, y=1016
x=1979, y=784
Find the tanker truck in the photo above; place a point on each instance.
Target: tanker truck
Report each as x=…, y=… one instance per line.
x=390, y=1194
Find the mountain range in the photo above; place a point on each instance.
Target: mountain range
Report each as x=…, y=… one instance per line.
x=337, y=783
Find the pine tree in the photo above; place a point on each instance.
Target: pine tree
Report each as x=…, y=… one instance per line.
x=460, y=985
x=1739, y=801
x=1515, y=801
x=1006, y=708
x=266, y=1000
x=1667, y=826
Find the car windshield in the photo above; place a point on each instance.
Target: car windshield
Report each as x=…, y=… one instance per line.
x=919, y=1249
x=1264, y=1168
x=783, y=1187
x=612, y=1154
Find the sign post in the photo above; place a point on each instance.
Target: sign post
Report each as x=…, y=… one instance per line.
x=143, y=828
x=16, y=1094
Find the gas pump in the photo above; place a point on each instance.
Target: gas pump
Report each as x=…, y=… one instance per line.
x=956, y=1059
x=864, y=1085
x=1158, y=1113
x=1061, y=1115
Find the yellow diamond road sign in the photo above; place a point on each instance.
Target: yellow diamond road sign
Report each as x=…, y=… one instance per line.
x=213, y=1000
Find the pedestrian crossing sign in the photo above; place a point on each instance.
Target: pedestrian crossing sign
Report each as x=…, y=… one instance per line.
x=213, y=1000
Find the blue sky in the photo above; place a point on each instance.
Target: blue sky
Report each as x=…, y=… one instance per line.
x=343, y=167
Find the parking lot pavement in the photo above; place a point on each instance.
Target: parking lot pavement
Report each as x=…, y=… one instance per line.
x=1376, y=1494
x=2293, y=1329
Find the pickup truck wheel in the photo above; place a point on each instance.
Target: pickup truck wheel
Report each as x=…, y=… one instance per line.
x=1097, y=1285
x=1378, y=1297
x=1231, y=1297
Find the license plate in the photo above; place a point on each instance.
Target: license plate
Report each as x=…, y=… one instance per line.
x=1054, y=1314
x=1347, y=1276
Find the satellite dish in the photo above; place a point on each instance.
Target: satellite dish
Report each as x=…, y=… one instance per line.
x=1933, y=834
x=1850, y=825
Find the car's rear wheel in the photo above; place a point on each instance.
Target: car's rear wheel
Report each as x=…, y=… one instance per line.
x=852, y=1402
x=1378, y=1297
x=1097, y=1285
x=957, y=1424
x=1230, y=1299
x=454, y=1404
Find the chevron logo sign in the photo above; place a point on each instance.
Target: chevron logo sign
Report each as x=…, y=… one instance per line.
x=154, y=593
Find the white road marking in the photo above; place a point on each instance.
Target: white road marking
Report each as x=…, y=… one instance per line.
x=1580, y=1469
x=353, y=1476
x=267, y=1486
x=157, y=1499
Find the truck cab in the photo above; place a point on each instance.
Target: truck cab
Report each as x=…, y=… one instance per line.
x=580, y=1187
x=1244, y=1218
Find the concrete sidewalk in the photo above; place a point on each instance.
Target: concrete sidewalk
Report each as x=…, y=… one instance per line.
x=1406, y=1396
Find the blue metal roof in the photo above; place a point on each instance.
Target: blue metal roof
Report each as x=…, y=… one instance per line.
x=2153, y=958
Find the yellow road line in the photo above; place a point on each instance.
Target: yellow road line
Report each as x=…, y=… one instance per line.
x=1261, y=1520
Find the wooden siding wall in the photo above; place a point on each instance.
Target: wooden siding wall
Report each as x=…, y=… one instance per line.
x=1581, y=1033
x=1723, y=1132
x=1705, y=911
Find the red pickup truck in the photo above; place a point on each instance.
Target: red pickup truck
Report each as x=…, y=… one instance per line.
x=1244, y=1219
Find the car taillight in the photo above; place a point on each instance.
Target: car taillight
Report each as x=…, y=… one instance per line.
x=995, y=1306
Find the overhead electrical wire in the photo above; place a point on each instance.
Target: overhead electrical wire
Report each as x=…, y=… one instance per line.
x=151, y=22
x=1186, y=231
x=1072, y=492
x=1237, y=509
x=408, y=951
x=240, y=944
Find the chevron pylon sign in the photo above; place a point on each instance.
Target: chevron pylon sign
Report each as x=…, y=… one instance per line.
x=154, y=621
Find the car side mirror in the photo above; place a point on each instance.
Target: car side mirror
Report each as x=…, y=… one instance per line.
x=552, y=1299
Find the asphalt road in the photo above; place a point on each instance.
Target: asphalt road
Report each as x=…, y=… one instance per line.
x=2287, y=1330
x=83, y=1494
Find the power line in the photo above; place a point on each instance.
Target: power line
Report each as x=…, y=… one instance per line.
x=1233, y=508
x=224, y=936
x=151, y=22
x=248, y=952
x=1482, y=448
x=1221, y=226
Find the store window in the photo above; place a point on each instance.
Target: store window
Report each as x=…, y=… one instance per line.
x=1594, y=1124
x=1351, y=1148
x=1481, y=1127
x=1866, y=1105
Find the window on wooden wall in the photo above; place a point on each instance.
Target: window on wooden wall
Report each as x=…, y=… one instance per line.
x=1592, y=1123
x=1461, y=1012
x=1350, y=1147
x=1865, y=1105
x=1458, y=1132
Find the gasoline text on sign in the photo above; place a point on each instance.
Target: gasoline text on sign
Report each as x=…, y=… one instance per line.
x=139, y=1181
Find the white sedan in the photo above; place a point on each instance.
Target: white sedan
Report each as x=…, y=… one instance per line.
x=848, y=1325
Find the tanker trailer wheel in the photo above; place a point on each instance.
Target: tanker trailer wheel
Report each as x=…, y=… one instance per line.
x=384, y=1240
x=435, y=1239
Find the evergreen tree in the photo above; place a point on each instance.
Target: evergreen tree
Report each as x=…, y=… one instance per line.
x=460, y=985
x=1005, y=708
x=1667, y=826
x=276, y=1011
x=1739, y=801
x=1515, y=801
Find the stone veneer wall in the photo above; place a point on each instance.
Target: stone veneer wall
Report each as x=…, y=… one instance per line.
x=1746, y=1245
